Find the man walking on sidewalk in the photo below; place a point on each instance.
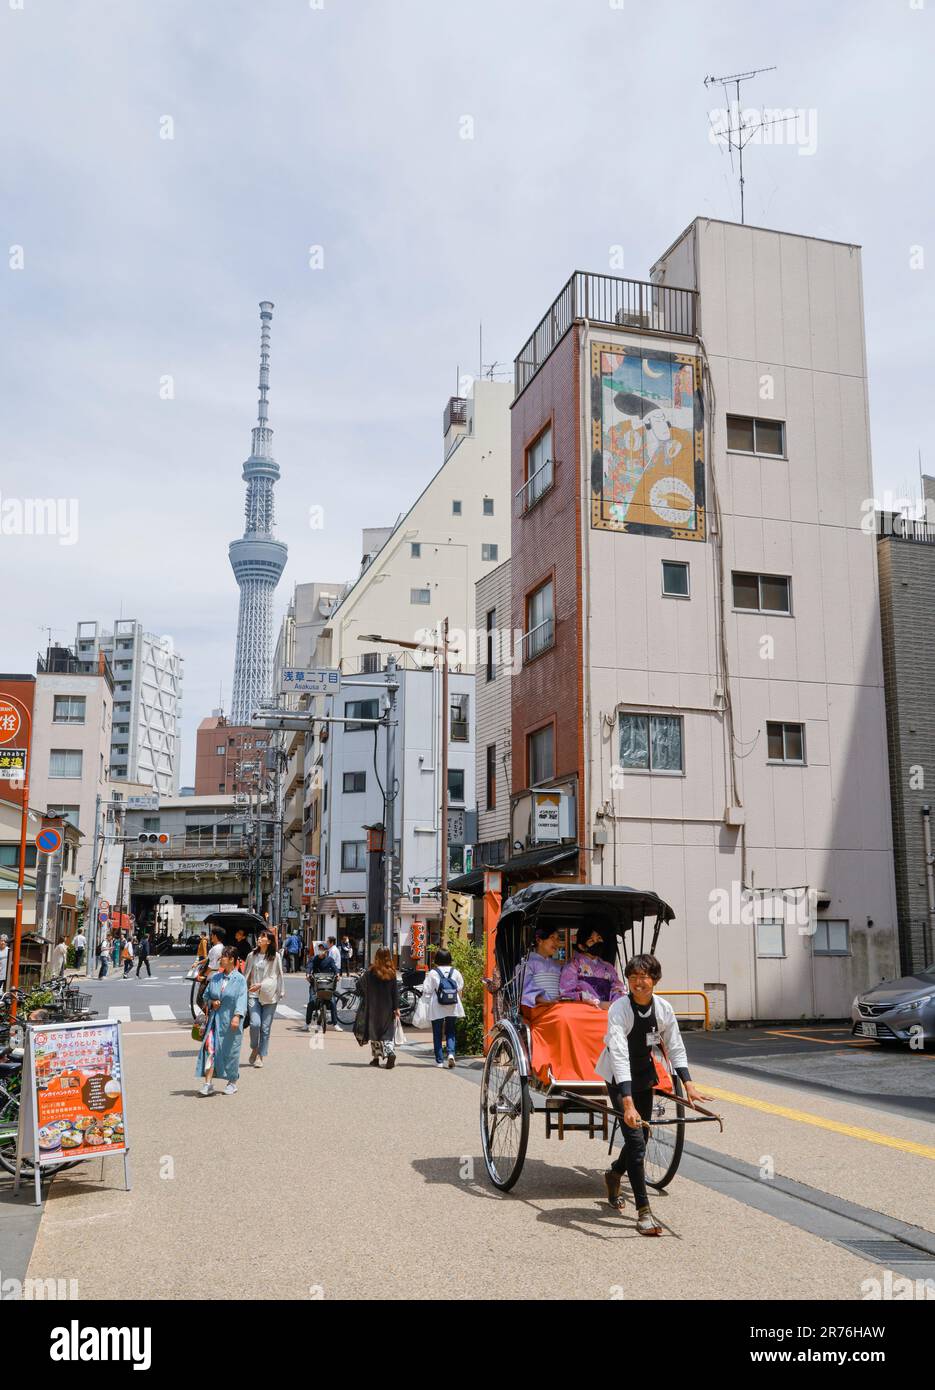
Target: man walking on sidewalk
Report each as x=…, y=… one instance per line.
x=80, y=944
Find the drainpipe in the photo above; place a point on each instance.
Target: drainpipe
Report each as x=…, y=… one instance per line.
x=929, y=878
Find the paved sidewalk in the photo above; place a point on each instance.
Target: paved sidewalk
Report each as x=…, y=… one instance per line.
x=376, y=1189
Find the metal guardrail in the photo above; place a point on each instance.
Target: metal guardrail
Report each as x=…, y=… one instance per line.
x=610, y=300
x=704, y=1013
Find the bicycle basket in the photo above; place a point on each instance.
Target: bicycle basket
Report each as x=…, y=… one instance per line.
x=76, y=1003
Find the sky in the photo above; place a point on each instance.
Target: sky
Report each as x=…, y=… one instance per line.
x=391, y=175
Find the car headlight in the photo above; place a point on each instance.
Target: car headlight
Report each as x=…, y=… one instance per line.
x=921, y=1003
x=856, y=1003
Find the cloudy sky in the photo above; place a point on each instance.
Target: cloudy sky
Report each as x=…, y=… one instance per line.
x=340, y=124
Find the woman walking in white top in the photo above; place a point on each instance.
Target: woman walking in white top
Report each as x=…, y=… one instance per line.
x=441, y=1000
x=265, y=985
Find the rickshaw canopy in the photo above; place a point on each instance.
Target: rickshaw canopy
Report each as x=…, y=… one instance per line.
x=611, y=909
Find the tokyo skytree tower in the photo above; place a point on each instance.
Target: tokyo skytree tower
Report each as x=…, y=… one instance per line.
x=257, y=559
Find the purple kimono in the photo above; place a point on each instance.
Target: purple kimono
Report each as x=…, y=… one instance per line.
x=589, y=977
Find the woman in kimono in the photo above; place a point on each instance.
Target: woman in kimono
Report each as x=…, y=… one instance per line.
x=225, y=1001
x=587, y=977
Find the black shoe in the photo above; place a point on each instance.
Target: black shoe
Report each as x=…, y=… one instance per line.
x=375, y=1062
x=391, y=1061
x=612, y=1183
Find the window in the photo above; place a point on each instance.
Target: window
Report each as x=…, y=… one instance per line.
x=9, y=856
x=540, y=755
x=488, y=506
x=360, y=709
x=491, y=639
x=151, y=823
x=221, y=786
x=488, y=552
x=355, y=781
x=539, y=471
x=651, y=742
x=219, y=750
x=762, y=593
x=68, y=709
x=371, y=663
x=832, y=938
x=459, y=718
x=69, y=813
x=420, y=596
x=354, y=856
x=540, y=621
x=456, y=784
x=415, y=550
x=456, y=509
x=785, y=743
x=675, y=579
x=747, y=436
x=771, y=938
x=491, y=777
x=66, y=762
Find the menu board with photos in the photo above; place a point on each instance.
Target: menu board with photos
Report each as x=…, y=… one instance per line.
x=74, y=1106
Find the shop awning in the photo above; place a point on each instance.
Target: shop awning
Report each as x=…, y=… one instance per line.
x=542, y=857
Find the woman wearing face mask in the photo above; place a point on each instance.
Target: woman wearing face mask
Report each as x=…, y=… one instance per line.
x=587, y=977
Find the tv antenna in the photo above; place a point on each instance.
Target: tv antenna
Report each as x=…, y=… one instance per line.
x=744, y=131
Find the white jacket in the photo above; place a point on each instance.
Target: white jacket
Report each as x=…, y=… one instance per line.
x=614, y=1062
x=429, y=994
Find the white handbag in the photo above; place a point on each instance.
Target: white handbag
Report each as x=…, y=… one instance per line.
x=420, y=1015
x=399, y=1037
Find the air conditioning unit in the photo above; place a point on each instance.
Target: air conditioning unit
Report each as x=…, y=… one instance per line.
x=626, y=318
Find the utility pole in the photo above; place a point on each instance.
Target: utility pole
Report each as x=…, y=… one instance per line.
x=443, y=877
x=389, y=820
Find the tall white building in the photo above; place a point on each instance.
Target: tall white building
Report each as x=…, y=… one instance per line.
x=147, y=673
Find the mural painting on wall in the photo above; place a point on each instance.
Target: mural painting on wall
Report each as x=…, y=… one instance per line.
x=647, y=443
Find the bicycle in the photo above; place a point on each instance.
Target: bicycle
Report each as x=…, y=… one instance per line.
x=347, y=1001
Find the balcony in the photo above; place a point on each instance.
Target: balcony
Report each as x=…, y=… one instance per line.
x=455, y=412
x=608, y=301
x=536, y=486
x=63, y=661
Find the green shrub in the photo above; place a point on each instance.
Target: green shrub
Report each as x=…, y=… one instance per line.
x=470, y=1029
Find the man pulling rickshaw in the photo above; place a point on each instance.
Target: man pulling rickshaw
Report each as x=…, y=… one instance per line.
x=620, y=1065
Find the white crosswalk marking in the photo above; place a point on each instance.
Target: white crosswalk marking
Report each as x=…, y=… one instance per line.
x=284, y=1011
x=120, y=1012
x=161, y=1012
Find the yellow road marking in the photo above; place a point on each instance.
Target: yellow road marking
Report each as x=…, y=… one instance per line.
x=827, y=1042
x=804, y=1117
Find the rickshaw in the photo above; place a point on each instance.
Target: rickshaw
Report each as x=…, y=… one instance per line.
x=525, y=1045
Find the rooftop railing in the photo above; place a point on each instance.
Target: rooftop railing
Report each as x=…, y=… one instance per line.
x=610, y=300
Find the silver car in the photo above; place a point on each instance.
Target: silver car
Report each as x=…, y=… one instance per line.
x=896, y=1010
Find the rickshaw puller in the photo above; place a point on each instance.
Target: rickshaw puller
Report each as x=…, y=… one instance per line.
x=635, y=1025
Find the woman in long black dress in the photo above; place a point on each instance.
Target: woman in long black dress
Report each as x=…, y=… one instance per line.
x=379, y=1009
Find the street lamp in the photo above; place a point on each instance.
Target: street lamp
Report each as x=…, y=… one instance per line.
x=443, y=648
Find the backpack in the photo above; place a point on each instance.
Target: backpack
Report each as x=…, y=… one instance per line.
x=447, y=991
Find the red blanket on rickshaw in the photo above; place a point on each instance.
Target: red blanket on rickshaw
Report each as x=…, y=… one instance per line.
x=568, y=1037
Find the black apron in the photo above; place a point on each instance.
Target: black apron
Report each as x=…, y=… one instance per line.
x=642, y=1066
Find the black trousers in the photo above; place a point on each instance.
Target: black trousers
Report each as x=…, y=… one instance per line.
x=633, y=1152
x=141, y=961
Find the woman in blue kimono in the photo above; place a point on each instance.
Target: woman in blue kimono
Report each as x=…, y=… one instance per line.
x=225, y=1001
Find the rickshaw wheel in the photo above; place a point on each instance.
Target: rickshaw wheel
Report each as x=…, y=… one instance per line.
x=505, y=1110
x=664, y=1148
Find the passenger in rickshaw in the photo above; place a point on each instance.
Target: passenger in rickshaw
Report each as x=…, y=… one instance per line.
x=587, y=978
x=636, y=1024
x=540, y=972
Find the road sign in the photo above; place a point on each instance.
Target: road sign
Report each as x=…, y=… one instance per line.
x=309, y=876
x=49, y=840
x=142, y=803
x=314, y=682
x=9, y=721
x=12, y=764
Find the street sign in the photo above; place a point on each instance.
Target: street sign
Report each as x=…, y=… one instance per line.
x=49, y=840
x=12, y=764
x=142, y=803
x=456, y=827
x=9, y=721
x=314, y=682
x=309, y=876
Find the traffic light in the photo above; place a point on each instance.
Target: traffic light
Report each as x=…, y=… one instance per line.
x=416, y=894
x=151, y=838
